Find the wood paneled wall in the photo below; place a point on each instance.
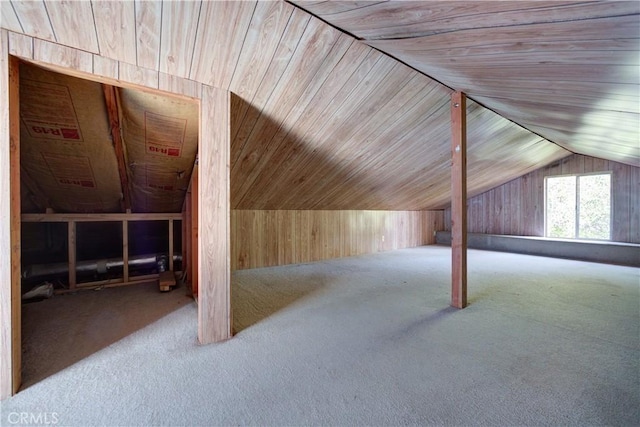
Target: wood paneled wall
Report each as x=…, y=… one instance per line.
x=264, y=238
x=517, y=207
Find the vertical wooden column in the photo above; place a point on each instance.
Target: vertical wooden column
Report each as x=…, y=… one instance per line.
x=10, y=295
x=458, y=200
x=214, y=289
x=194, y=232
x=125, y=251
x=186, y=239
x=71, y=242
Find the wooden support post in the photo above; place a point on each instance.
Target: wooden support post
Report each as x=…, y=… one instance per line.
x=125, y=251
x=214, y=285
x=10, y=291
x=458, y=200
x=170, y=245
x=187, y=249
x=194, y=232
x=71, y=241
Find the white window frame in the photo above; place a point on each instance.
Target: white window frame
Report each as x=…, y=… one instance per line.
x=577, y=207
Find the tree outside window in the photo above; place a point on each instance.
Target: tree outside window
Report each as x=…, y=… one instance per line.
x=578, y=206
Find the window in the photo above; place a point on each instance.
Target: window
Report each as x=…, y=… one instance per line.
x=578, y=206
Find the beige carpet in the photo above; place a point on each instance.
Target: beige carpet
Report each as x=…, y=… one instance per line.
x=366, y=340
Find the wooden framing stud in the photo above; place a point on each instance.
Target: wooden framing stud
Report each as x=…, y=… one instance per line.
x=113, y=111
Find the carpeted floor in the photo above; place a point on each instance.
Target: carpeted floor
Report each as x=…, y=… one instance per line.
x=366, y=340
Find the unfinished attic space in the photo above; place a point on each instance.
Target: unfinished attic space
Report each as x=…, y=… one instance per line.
x=320, y=213
x=89, y=149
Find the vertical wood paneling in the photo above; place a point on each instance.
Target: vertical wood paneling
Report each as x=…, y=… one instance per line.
x=178, y=35
x=116, y=29
x=520, y=210
x=73, y=24
x=214, y=288
x=278, y=237
x=148, y=24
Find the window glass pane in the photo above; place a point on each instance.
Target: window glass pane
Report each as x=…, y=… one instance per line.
x=595, y=206
x=561, y=206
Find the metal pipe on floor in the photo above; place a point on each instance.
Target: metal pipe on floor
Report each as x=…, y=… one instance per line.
x=97, y=266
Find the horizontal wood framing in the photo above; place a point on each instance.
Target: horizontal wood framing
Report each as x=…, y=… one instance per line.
x=517, y=207
x=64, y=217
x=263, y=238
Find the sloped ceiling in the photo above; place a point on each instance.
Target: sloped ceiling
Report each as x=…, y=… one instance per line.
x=569, y=71
x=324, y=121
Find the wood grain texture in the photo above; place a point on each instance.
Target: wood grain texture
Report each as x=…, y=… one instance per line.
x=137, y=75
x=179, y=26
x=214, y=285
x=227, y=23
x=148, y=25
x=62, y=56
x=20, y=45
x=34, y=19
x=8, y=18
x=517, y=207
x=268, y=238
x=116, y=29
x=458, y=200
x=73, y=24
x=6, y=309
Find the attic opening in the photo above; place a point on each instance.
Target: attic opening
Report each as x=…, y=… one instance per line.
x=104, y=175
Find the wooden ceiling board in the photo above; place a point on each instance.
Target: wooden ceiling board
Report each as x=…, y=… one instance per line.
x=180, y=24
x=148, y=25
x=582, y=56
x=286, y=47
x=8, y=17
x=315, y=55
x=289, y=142
x=410, y=19
x=73, y=24
x=323, y=121
x=311, y=143
x=34, y=19
x=116, y=29
x=226, y=23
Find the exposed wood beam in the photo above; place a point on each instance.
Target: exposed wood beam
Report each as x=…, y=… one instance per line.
x=62, y=217
x=113, y=111
x=458, y=200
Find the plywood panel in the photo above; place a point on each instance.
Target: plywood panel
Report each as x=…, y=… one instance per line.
x=268, y=237
x=517, y=207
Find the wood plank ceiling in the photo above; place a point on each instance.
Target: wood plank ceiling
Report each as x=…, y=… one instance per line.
x=325, y=121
